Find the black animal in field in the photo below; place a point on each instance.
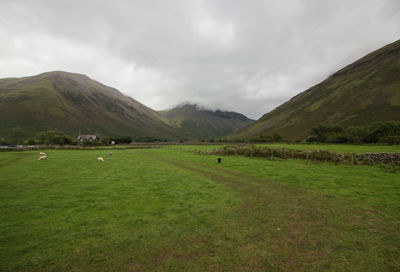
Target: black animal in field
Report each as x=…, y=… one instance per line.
x=219, y=160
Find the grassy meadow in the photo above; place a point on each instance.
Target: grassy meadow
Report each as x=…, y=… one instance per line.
x=167, y=209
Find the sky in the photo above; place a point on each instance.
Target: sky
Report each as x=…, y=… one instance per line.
x=247, y=56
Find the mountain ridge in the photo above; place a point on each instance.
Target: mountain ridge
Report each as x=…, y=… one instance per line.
x=365, y=91
x=74, y=103
x=201, y=122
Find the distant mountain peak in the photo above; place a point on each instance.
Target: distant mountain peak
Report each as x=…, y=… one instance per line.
x=189, y=105
x=63, y=74
x=201, y=122
x=71, y=102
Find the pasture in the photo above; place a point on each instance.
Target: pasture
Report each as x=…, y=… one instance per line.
x=167, y=209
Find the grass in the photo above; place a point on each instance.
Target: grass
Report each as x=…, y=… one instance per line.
x=171, y=210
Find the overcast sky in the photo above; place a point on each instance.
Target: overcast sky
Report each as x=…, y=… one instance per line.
x=247, y=56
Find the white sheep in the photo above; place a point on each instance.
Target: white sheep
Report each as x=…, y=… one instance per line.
x=100, y=159
x=42, y=158
x=42, y=154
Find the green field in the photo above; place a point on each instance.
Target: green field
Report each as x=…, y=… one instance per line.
x=171, y=210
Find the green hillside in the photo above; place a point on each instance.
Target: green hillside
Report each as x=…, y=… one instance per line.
x=202, y=123
x=72, y=103
x=362, y=93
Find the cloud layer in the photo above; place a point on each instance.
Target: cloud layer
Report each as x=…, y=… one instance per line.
x=245, y=56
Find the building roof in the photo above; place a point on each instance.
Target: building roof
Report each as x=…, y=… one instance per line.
x=87, y=136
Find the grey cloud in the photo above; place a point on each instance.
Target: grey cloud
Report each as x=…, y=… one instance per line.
x=245, y=56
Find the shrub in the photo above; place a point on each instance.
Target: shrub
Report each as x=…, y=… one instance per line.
x=384, y=132
x=54, y=137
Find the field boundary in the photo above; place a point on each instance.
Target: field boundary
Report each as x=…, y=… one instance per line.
x=309, y=155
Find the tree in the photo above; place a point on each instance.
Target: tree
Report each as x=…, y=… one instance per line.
x=3, y=141
x=277, y=138
x=319, y=133
x=54, y=136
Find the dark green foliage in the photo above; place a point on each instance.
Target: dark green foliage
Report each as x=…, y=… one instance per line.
x=276, y=138
x=329, y=134
x=122, y=139
x=384, y=132
x=380, y=131
x=357, y=135
x=3, y=141
x=149, y=139
x=91, y=142
x=54, y=136
x=31, y=141
x=260, y=139
x=391, y=140
x=128, y=139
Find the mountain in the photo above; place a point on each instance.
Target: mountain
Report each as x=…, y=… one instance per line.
x=202, y=123
x=363, y=92
x=72, y=103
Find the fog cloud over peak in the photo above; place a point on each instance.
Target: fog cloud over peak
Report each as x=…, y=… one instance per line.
x=245, y=56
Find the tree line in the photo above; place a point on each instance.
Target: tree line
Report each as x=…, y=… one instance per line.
x=382, y=132
x=58, y=137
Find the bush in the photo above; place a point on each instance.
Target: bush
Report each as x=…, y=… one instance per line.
x=90, y=142
x=384, y=132
x=3, y=141
x=29, y=142
x=390, y=140
x=146, y=139
x=277, y=138
x=54, y=137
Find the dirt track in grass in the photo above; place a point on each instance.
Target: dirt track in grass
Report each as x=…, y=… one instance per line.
x=282, y=226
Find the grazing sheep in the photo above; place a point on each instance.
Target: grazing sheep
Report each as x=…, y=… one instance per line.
x=100, y=159
x=42, y=158
x=110, y=154
x=42, y=154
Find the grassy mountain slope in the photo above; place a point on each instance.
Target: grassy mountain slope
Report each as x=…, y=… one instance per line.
x=72, y=102
x=363, y=92
x=201, y=123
